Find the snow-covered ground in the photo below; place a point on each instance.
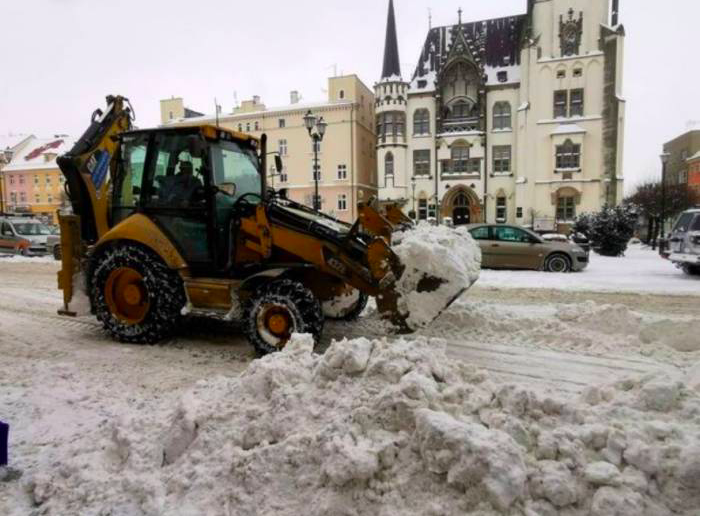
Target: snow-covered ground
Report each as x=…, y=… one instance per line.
x=514, y=401
x=640, y=270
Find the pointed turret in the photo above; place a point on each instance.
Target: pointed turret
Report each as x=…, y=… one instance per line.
x=390, y=66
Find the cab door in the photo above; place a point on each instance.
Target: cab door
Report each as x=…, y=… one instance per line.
x=174, y=195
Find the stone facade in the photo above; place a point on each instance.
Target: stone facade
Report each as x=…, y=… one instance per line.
x=516, y=119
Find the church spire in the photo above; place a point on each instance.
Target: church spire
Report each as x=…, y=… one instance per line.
x=390, y=66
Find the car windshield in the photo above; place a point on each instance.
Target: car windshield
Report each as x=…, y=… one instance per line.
x=32, y=228
x=684, y=222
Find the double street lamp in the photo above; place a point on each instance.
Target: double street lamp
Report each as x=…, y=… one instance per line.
x=316, y=129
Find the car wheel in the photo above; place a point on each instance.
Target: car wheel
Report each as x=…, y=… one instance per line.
x=691, y=269
x=558, y=263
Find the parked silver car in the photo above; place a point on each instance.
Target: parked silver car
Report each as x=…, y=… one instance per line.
x=513, y=247
x=23, y=235
x=683, y=242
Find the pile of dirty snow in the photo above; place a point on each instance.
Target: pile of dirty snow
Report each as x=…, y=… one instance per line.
x=379, y=428
x=450, y=254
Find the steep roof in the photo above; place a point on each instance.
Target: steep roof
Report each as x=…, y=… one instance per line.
x=390, y=65
x=494, y=43
x=39, y=153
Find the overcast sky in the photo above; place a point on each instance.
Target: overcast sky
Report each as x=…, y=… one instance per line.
x=61, y=57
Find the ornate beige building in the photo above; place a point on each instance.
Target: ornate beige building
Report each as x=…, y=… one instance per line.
x=516, y=119
x=347, y=163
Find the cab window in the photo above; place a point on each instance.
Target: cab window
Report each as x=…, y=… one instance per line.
x=509, y=234
x=234, y=164
x=127, y=188
x=481, y=233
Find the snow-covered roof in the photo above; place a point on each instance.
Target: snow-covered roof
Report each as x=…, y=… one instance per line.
x=263, y=113
x=692, y=158
x=10, y=141
x=39, y=153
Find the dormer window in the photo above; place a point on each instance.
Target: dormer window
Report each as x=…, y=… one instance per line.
x=502, y=76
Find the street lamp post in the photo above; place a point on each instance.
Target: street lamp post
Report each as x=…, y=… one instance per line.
x=664, y=157
x=413, y=197
x=318, y=126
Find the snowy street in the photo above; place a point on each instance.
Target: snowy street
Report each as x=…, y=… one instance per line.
x=64, y=383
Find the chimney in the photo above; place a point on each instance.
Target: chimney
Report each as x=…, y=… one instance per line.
x=256, y=99
x=294, y=97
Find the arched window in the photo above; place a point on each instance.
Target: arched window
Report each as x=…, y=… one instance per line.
x=341, y=94
x=461, y=201
x=421, y=122
x=501, y=115
x=389, y=164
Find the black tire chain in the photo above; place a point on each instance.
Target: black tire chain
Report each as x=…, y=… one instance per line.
x=303, y=305
x=164, y=288
x=355, y=312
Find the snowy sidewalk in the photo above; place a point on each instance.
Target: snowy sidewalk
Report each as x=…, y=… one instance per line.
x=639, y=271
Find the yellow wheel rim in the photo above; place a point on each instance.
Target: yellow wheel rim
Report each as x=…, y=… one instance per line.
x=275, y=324
x=126, y=295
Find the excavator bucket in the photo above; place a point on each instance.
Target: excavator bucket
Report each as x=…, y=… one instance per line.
x=423, y=271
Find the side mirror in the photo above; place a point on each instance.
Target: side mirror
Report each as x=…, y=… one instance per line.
x=278, y=163
x=228, y=188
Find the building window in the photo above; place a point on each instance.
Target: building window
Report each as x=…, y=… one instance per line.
x=459, y=156
x=282, y=147
x=421, y=122
x=13, y=197
x=502, y=76
x=682, y=177
x=248, y=127
x=37, y=198
x=316, y=172
x=501, y=115
x=170, y=115
x=577, y=72
x=342, y=204
x=36, y=179
x=567, y=155
x=21, y=179
x=560, y=74
x=422, y=162
x=341, y=94
x=501, y=209
x=12, y=180
x=519, y=212
x=281, y=123
x=23, y=197
x=390, y=124
x=240, y=128
x=423, y=209
x=342, y=172
x=501, y=156
x=255, y=126
x=283, y=175
x=560, y=104
x=50, y=198
x=577, y=102
x=565, y=209
x=48, y=179
x=389, y=164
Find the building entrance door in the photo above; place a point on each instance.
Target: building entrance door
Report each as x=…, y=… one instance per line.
x=461, y=210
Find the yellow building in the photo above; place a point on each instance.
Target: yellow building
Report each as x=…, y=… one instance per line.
x=32, y=181
x=347, y=166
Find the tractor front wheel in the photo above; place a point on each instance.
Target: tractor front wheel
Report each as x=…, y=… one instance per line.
x=279, y=309
x=346, y=307
x=135, y=295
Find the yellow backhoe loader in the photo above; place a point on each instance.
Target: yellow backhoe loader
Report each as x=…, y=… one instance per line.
x=168, y=222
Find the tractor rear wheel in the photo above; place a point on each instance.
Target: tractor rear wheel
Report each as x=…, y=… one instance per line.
x=135, y=295
x=279, y=309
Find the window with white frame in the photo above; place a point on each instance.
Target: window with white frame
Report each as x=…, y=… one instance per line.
x=36, y=179
x=240, y=128
x=13, y=197
x=421, y=122
x=23, y=197
x=459, y=156
x=342, y=172
x=255, y=126
x=577, y=102
x=37, y=198
x=342, y=202
x=501, y=115
x=283, y=175
x=423, y=209
x=432, y=211
x=316, y=172
x=281, y=123
x=389, y=164
x=12, y=180
x=567, y=155
x=501, y=158
x=282, y=147
x=50, y=198
x=422, y=162
x=501, y=209
x=248, y=127
x=560, y=104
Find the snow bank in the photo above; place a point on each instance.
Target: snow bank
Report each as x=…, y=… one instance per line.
x=439, y=251
x=380, y=428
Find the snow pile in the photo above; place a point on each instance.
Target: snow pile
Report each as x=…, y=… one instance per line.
x=380, y=428
x=441, y=252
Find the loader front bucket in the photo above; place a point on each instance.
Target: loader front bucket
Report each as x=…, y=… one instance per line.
x=423, y=273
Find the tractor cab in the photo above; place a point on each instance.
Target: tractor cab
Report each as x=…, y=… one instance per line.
x=191, y=182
